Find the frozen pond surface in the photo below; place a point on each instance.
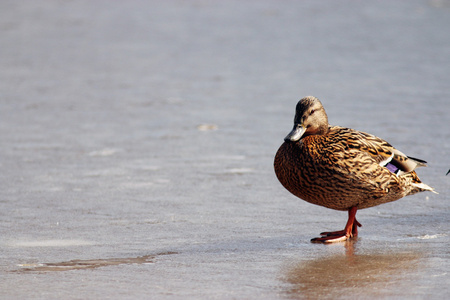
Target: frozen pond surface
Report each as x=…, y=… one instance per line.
x=137, y=142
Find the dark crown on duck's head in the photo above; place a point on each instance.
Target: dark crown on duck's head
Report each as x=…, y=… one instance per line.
x=310, y=118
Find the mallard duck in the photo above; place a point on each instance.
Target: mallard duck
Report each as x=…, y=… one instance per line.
x=341, y=168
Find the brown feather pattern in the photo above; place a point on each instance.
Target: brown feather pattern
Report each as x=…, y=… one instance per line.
x=341, y=168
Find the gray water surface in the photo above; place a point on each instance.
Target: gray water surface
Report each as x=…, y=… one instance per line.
x=137, y=142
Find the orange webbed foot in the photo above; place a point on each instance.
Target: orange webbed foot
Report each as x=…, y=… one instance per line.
x=350, y=231
x=332, y=237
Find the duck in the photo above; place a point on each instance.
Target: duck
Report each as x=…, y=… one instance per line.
x=342, y=168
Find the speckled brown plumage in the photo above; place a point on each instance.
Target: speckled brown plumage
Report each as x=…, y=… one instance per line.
x=341, y=168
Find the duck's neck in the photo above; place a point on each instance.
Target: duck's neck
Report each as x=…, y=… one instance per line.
x=323, y=130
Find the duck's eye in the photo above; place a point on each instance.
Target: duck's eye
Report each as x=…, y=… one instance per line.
x=312, y=111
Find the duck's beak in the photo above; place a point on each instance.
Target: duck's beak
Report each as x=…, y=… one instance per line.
x=296, y=133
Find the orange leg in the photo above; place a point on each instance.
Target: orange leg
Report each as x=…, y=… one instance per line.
x=350, y=230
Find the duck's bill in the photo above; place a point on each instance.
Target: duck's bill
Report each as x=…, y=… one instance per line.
x=296, y=133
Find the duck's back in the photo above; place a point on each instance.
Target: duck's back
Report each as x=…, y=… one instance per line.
x=341, y=170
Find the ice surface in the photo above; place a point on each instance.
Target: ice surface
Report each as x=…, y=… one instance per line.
x=137, y=142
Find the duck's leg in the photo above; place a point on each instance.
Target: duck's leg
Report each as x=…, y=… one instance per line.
x=350, y=230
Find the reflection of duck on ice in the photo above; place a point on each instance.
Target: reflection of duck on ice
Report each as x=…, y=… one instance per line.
x=366, y=275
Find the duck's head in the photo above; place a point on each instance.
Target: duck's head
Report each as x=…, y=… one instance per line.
x=310, y=118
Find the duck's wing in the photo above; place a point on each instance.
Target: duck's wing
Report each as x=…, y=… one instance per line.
x=381, y=151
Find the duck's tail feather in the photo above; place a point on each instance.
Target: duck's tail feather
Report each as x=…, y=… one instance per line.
x=424, y=187
x=420, y=162
x=416, y=184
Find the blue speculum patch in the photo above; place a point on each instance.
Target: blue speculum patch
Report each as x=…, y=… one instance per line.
x=392, y=168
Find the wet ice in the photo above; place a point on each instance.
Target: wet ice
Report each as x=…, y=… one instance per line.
x=130, y=129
